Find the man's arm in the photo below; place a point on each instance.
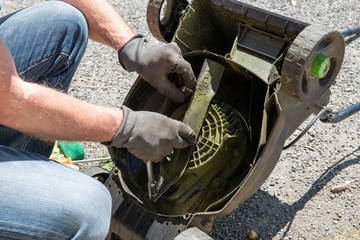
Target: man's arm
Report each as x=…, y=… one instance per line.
x=105, y=24
x=50, y=114
x=152, y=61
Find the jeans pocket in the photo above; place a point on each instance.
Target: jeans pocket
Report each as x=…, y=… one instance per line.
x=50, y=72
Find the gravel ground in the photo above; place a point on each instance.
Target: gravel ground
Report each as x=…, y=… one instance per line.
x=295, y=202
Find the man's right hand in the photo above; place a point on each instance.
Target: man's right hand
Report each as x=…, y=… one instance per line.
x=151, y=136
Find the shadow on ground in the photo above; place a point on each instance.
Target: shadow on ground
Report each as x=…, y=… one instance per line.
x=267, y=215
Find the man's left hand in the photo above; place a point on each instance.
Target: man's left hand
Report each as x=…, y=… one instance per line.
x=154, y=62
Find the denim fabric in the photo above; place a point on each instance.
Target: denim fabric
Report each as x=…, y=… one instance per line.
x=43, y=199
x=39, y=198
x=47, y=42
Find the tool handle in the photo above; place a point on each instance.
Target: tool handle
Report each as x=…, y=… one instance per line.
x=63, y=160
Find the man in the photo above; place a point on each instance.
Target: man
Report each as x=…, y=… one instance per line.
x=43, y=45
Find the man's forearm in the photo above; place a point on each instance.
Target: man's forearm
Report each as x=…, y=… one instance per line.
x=47, y=113
x=50, y=114
x=105, y=24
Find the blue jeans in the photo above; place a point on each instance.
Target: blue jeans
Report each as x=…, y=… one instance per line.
x=39, y=198
x=47, y=42
x=43, y=199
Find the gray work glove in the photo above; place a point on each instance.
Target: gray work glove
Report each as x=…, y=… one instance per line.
x=151, y=136
x=154, y=62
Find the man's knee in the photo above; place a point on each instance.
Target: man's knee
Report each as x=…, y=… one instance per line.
x=87, y=216
x=59, y=202
x=53, y=36
x=60, y=12
x=65, y=17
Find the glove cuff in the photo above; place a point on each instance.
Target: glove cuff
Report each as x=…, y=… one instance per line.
x=127, y=54
x=123, y=134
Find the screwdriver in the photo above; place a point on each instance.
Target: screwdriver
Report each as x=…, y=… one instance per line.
x=68, y=160
x=152, y=188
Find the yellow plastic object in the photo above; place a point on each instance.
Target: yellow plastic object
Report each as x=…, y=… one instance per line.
x=62, y=159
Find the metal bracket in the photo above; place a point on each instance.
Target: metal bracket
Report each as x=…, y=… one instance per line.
x=335, y=117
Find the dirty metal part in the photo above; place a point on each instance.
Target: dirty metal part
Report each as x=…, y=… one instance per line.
x=208, y=82
x=152, y=188
x=163, y=17
x=296, y=77
x=338, y=116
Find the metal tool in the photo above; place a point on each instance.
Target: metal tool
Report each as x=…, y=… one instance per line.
x=151, y=182
x=92, y=160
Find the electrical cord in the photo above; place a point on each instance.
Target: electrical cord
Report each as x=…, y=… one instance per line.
x=325, y=109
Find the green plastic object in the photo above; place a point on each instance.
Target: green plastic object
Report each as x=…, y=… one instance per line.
x=72, y=149
x=320, y=66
